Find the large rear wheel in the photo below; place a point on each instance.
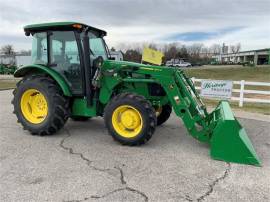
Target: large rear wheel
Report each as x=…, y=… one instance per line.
x=130, y=119
x=40, y=105
x=163, y=114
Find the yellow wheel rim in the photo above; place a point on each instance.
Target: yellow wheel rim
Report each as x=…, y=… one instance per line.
x=34, y=106
x=127, y=121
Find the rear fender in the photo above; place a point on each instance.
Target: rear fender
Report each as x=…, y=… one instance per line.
x=30, y=69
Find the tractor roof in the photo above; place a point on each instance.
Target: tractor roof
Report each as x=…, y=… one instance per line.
x=62, y=26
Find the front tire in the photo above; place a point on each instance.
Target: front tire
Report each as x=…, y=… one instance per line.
x=40, y=105
x=130, y=119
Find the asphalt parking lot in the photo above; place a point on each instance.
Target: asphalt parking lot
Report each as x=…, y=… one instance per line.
x=83, y=163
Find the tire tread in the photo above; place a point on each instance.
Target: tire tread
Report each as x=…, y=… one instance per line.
x=60, y=110
x=150, y=113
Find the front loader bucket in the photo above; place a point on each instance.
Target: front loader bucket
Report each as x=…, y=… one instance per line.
x=229, y=141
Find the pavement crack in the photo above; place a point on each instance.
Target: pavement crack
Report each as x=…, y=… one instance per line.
x=122, y=177
x=138, y=192
x=215, y=182
x=89, y=162
x=71, y=151
x=122, y=189
x=107, y=194
x=126, y=188
x=76, y=200
x=187, y=197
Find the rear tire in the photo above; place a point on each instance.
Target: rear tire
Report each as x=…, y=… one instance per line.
x=164, y=114
x=130, y=119
x=57, y=105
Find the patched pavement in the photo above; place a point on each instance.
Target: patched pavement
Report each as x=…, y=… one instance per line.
x=83, y=163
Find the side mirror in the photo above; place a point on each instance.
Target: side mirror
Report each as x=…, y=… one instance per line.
x=27, y=33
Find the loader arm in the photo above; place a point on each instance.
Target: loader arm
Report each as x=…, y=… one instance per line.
x=228, y=140
x=188, y=105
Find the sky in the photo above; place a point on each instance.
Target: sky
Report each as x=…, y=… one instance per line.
x=148, y=21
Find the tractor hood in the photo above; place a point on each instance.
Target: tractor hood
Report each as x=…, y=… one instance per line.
x=119, y=65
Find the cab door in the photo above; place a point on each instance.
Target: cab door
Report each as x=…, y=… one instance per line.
x=66, y=59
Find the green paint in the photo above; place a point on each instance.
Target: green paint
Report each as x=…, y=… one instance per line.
x=6, y=69
x=220, y=129
x=230, y=142
x=43, y=69
x=50, y=24
x=57, y=25
x=269, y=56
x=79, y=108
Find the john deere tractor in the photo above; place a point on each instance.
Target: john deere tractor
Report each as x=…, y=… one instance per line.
x=73, y=76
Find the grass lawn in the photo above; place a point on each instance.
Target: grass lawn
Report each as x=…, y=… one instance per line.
x=7, y=84
x=250, y=107
x=233, y=72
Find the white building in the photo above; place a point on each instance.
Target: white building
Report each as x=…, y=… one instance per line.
x=22, y=60
x=117, y=55
x=7, y=59
x=256, y=57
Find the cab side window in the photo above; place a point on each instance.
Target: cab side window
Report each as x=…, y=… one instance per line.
x=39, y=49
x=65, y=58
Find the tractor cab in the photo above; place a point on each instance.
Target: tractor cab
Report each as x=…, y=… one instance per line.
x=72, y=49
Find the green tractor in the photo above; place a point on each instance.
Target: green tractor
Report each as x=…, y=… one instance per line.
x=73, y=76
x=9, y=69
x=2, y=67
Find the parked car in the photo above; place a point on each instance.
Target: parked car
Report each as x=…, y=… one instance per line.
x=177, y=63
x=196, y=64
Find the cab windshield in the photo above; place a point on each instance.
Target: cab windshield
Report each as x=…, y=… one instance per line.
x=97, y=46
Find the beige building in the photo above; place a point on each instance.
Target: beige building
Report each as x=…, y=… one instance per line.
x=257, y=57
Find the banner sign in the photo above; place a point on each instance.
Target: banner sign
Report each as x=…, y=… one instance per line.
x=152, y=56
x=216, y=88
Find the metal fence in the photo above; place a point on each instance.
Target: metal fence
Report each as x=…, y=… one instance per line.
x=241, y=91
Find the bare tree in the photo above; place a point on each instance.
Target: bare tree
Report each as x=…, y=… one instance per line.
x=195, y=49
x=205, y=52
x=197, y=53
x=171, y=51
x=7, y=49
x=215, y=49
x=133, y=55
x=235, y=48
x=25, y=52
x=153, y=46
x=182, y=52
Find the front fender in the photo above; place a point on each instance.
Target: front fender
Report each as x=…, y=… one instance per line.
x=43, y=69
